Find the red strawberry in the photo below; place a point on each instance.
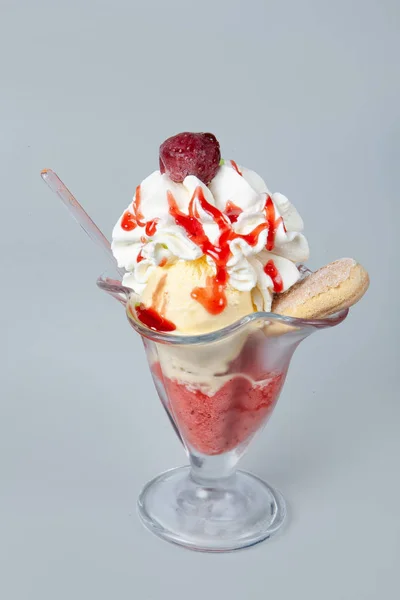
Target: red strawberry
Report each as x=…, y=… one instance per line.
x=190, y=154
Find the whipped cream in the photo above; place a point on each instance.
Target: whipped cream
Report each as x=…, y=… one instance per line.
x=265, y=238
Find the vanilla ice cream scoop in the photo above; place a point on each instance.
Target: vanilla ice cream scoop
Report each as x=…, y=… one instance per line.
x=169, y=291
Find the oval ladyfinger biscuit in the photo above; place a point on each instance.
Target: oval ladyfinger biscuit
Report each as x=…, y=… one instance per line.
x=330, y=289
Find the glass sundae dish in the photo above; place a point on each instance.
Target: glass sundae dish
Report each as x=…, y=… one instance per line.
x=213, y=281
x=219, y=389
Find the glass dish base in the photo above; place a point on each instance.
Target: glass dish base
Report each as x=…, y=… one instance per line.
x=219, y=516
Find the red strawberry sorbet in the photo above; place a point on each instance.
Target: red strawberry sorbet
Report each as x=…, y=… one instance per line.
x=218, y=423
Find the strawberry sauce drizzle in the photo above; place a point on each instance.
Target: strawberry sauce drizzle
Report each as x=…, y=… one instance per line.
x=152, y=319
x=271, y=270
x=151, y=227
x=213, y=296
x=234, y=165
x=137, y=208
x=131, y=220
x=128, y=221
x=272, y=223
x=232, y=211
x=149, y=315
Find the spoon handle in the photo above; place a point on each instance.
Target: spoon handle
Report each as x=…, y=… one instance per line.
x=78, y=213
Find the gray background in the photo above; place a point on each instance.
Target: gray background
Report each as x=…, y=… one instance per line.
x=307, y=94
